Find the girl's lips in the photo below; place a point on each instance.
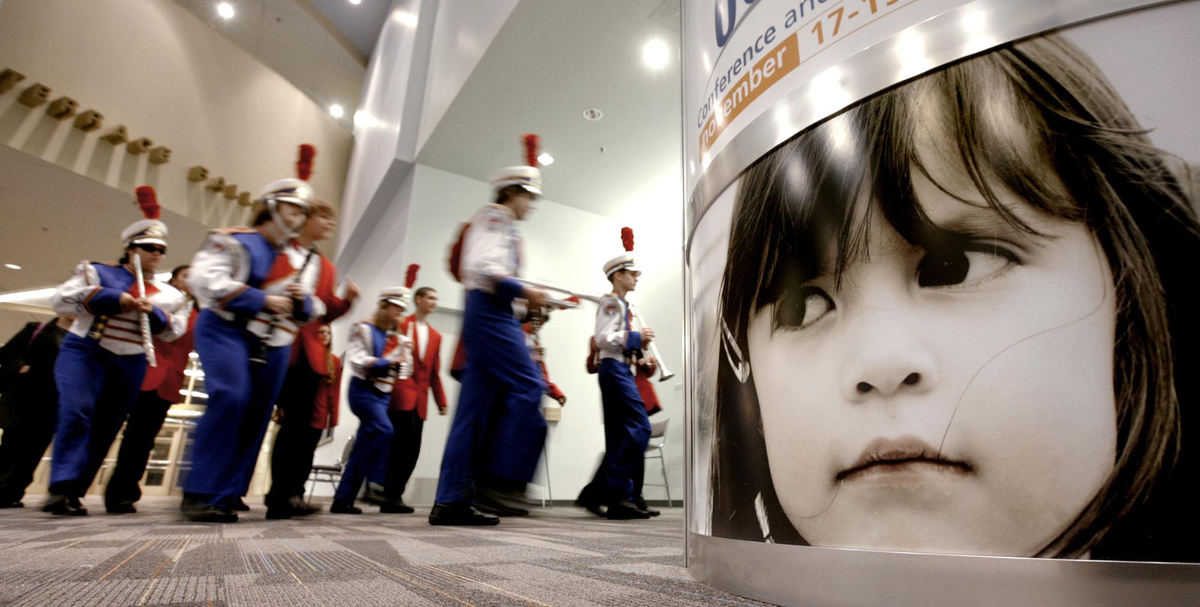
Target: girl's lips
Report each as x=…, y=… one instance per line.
x=885, y=456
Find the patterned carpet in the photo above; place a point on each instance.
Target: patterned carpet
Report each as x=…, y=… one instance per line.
x=557, y=556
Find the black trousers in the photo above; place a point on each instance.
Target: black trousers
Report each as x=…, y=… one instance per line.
x=27, y=434
x=296, y=440
x=145, y=420
x=291, y=459
x=406, y=447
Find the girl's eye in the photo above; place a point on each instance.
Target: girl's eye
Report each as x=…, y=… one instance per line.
x=797, y=309
x=961, y=266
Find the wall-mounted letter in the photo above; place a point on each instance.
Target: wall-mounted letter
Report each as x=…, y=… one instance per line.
x=89, y=120
x=117, y=135
x=9, y=78
x=35, y=95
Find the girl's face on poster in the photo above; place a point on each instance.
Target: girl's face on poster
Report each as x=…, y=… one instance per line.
x=951, y=401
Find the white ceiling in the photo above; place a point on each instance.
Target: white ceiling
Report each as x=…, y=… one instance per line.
x=552, y=60
x=320, y=46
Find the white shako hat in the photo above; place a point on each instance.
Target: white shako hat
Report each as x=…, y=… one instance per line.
x=529, y=177
x=624, y=261
x=290, y=190
x=150, y=230
x=395, y=295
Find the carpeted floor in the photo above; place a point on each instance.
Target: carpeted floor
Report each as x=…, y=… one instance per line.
x=557, y=556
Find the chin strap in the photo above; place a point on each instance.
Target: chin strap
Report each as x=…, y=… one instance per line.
x=280, y=227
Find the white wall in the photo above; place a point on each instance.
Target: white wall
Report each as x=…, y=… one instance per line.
x=154, y=67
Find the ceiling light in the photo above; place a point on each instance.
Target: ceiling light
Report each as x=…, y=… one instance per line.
x=364, y=120
x=336, y=111
x=655, y=54
x=545, y=159
x=593, y=114
x=225, y=10
x=356, y=2
x=12, y=266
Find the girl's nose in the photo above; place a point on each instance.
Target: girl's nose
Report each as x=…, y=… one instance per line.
x=887, y=356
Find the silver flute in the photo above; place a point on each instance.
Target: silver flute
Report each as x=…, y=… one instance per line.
x=144, y=318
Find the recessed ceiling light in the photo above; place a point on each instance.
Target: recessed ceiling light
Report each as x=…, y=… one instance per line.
x=356, y=2
x=225, y=10
x=655, y=54
x=593, y=113
x=545, y=159
x=336, y=111
x=12, y=266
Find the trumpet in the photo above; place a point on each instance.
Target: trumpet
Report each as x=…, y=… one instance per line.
x=563, y=303
x=664, y=372
x=143, y=318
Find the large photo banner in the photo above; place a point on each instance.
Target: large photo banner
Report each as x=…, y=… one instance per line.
x=941, y=259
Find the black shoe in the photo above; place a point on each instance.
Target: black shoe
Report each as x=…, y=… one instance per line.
x=119, y=507
x=64, y=506
x=460, y=514
x=620, y=511
x=11, y=504
x=302, y=508
x=641, y=505
x=375, y=495
x=500, y=503
x=344, y=508
x=241, y=506
x=593, y=506
x=206, y=513
x=396, y=506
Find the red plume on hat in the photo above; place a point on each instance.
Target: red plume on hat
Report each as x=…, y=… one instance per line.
x=148, y=201
x=531, y=149
x=304, y=164
x=410, y=277
x=627, y=238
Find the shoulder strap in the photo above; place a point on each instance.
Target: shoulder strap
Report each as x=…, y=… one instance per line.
x=36, y=332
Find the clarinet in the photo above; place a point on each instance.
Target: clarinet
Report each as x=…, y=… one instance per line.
x=259, y=354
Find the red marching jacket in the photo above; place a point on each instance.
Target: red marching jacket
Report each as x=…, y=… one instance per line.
x=307, y=340
x=172, y=357
x=325, y=402
x=413, y=393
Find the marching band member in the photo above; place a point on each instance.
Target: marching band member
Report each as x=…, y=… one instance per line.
x=378, y=356
x=626, y=426
x=103, y=358
x=410, y=400
x=160, y=388
x=254, y=292
x=502, y=387
x=301, y=416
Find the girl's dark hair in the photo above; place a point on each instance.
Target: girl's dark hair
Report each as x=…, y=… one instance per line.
x=1081, y=157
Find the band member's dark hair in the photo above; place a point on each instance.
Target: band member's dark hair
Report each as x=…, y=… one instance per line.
x=423, y=291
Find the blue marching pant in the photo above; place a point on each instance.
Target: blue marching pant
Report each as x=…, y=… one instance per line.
x=96, y=389
x=626, y=429
x=241, y=395
x=498, y=429
x=368, y=459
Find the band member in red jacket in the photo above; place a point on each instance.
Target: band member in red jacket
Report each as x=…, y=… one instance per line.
x=308, y=372
x=160, y=389
x=410, y=400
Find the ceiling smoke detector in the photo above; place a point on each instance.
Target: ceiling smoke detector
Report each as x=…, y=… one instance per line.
x=593, y=114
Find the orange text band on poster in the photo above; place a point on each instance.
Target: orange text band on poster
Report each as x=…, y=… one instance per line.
x=743, y=56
